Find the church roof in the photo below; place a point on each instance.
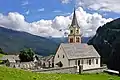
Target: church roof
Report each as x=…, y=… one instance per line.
x=78, y=50
x=74, y=20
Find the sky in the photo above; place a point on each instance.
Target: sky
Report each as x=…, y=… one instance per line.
x=52, y=17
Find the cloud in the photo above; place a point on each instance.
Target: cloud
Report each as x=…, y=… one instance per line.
x=65, y=1
x=25, y=3
x=57, y=11
x=42, y=9
x=103, y=5
x=56, y=27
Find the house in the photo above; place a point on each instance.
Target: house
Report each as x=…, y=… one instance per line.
x=48, y=62
x=75, y=53
x=10, y=60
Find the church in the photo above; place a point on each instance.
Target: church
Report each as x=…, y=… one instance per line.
x=75, y=53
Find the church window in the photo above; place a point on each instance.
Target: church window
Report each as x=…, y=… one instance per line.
x=96, y=61
x=77, y=31
x=90, y=62
x=58, y=56
x=77, y=39
x=71, y=40
x=71, y=31
x=78, y=62
x=63, y=56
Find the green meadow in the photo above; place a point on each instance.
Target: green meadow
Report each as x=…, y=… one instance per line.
x=17, y=74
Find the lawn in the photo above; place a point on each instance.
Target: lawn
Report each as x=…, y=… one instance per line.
x=16, y=74
x=1, y=55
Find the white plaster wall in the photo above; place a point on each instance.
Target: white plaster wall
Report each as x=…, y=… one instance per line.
x=85, y=64
x=72, y=63
x=64, y=60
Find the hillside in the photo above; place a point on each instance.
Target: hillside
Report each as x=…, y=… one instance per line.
x=15, y=74
x=13, y=41
x=107, y=43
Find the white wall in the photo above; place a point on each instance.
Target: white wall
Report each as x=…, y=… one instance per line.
x=64, y=60
x=85, y=64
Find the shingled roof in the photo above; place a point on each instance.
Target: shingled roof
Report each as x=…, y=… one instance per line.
x=78, y=50
x=74, y=20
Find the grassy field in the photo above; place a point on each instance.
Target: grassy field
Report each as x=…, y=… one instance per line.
x=1, y=55
x=16, y=74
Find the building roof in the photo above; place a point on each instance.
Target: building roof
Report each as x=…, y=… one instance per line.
x=11, y=60
x=78, y=50
x=47, y=58
x=74, y=20
x=7, y=57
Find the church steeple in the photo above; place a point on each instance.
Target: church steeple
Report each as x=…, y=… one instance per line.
x=74, y=36
x=74, y=20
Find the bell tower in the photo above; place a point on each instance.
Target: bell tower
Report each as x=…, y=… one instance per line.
x=74, y=36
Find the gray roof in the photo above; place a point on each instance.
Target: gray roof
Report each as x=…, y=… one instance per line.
x=47, y=58
x=78, y=50
x=74, y=20
x=11, y=60
x=7, y=57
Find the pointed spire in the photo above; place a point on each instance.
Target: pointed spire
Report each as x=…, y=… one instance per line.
x=74, y=20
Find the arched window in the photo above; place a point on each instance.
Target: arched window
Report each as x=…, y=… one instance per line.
x=71, y=31
x=78, y=62
x=90, y=62
x=71, y=40
x=96, y=61
x=58, y=56
x=77, y=31
x=77, y=39
x=63, y=56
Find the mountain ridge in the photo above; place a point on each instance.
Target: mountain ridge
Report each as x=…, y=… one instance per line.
x=12, y=42
x=14, y=39
x=107, y=43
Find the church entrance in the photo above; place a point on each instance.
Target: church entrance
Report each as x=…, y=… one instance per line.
x=59, y=64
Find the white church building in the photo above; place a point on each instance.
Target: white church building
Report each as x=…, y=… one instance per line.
x=75, y=53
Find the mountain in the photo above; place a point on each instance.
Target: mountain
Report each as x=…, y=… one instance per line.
x=13, y=41
x=65, y=39
x=107, y=43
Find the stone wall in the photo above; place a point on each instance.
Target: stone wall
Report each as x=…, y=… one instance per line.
x=72, y=70
x=95, y=70
x=58, y=70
